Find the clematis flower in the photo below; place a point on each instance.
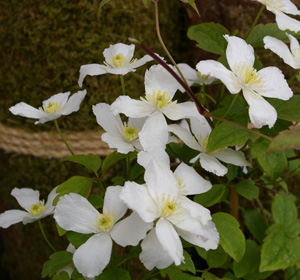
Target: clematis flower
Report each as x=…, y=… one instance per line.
x=74, y=212
x=198, y=139
x=267, y=82
x=122, y=136
x=52, y=108
x=290, y=56
x=280, y=8
x=160, y=200
x=29, y=200
x=118, y=60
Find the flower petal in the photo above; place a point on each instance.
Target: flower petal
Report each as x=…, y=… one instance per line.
x=153, y=254
x=120, y=144
x=74, y=212
x=126, y=50
x=91, y=70
x=261, y=112
x=139, y=62
x=169, y=240
x=275, y=85
x=26, y=197
x=73, y=104
x=231, y=156
x=282, y=50
x=238, y=51
x=290, y=8
x=294, y=45
x=123, y=233
x=285, y=22
x=94, y=255
x=138, y=199
x=189, y=73
x=24, y=110
x=192, y=182
x=60, y=98
x=201, y=130
x=49, y=208
x=131, y=107
x=211, y=164
x=219, y=71
x=12, y=217
x=113, y=203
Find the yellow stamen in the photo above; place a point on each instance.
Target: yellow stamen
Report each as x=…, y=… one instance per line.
x=106, y=221
x=158, y=98
x=51, y=107
x=37, y=209
x=118, y=60
x=202, y=78
x=130, y=133
x=181, y=186
x=169, y=206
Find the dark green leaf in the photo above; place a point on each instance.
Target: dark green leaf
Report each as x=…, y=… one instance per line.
x=96, y=200
x=90, y=161
x=216, y=258
x=256, y=224
x=188, y=264
x=213, y=196
x=209, y=37
x=57, y=261
x=232, y=239
x=175, y=273
x=209, y=276
x=62, y=276
x=247, y=189
x=111, y=159
x=114, y=273
x=147, y=3
x=77, y=239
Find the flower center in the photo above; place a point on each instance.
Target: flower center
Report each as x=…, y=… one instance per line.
x=181, y=186
x=274, y=5
x=129, y=133
x=37, y=209
x=168, y=206
x=118, y=60
x=106, y=221
x=51, y=107
x=202, y=78
x=158, y=98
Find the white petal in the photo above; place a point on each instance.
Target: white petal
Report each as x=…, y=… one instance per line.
x=130, y=230
x=169, y=240
x=126, y=50
x=192, y=182
x=294, y=45
x=238, y=51
x=275, y=85
x=49, y=208
x=261, y=112
x=219, y=71
x=118, y=143
x=290, y=8
x=73, y=104
x=201, y=130
x=282, y=50
x=231, y=156
x=94, y=255
x=111, y=123
x=91, y=70
x=137, y=123
x=189, y=73
x=158, y=78
x=47, y=118
x=138, y=199
x=209, y=241
x=185, y=136
x=113, y=203
x=153, y=254
x=74, y=212
x=211, y=164
x=12, y=217
x=144, y=158
x=146, y=58
x=131, y=108
x=24, y=110
x=60, y=98
x=285, y=22
x=26, y=197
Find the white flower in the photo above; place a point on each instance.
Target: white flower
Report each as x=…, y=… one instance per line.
x=209, y=161
x=122, y=136
x=29, y=200
x=52, y=108
x=74, y=212
x=268, y=82
x=161, y=200
x=118, y=60
x=280, y=8
x=290, y=56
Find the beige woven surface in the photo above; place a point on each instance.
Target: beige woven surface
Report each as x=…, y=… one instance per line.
x=49, y=144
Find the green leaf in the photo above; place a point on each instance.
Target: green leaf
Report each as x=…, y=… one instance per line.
x=77, y=239
x=147, y=3
x=258, y=33
x=247, y=189
x=209, y=276
x=90, y=161
x=216, y=258
x=232, y=239
x=274, y=163
x=287, y=109
x=57, y=261
x=60, y=230
x=184, y=153
x=209, y=37
x=278, y=250
x=286, y=140
x=114, y=273
x=255, y=222
x=225, y=135
x=175, y=273
x=292, y=273
x=188, y=264
x=250, y=261
x=193, y=5
x=96, y=200
x=76, y=184
x=111, y=159
x=103, y=2
x=211, y=197
x=62, y=276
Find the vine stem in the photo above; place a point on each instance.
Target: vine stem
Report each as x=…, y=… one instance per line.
x=163, y=44
x=230, y=107
x=45, y=237
x=123, y=84
x=255, y=21
x=63, y=138
x=293, y=77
